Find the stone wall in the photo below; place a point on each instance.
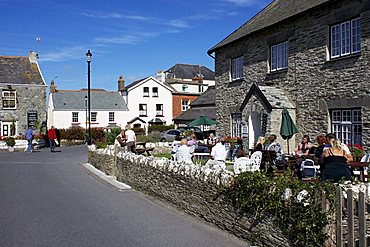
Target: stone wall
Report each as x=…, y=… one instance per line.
x=190, y=188
x=310, y=76
x=31, y=98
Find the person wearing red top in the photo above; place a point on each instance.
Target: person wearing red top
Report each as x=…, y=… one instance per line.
x=52, y=135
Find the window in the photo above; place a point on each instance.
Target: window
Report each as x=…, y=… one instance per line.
x=94, y=116
x=184, y=88
x=74, y=117
x=236, y=122
x=155, y=91
x=111, y=117
x=237, y=68
x=347, y=125
x=184, y=105
x=200, y=88
x=9, y=99
x=279, y=56
x=345, y=38
x=159, y=109
x=142, y=109
x=146, y=92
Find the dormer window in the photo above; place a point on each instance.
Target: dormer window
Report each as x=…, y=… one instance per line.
x=184, y=87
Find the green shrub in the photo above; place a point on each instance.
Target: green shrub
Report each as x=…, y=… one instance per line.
x=260, y=195
x=149, y=138
x=101, y=144
x=110, y=136
x=73, y=133
x=139, y=131
x=97, y=135
x=160, y=128
x=10, y=142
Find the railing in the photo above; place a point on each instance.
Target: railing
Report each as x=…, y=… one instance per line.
x=351, y=219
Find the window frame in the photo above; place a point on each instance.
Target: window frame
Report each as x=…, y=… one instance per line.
x=345, y=38
x=155, y=94
x=185, y=87
x=237, y=68
x=236, y=125
x=159, y=111
x=184, y=107
x=143, y=110
x=145, y=91
x=279, y=59
x=9, y=98
x=74, y=117
x=111, y=116
x=347, y=125
x=94, y=116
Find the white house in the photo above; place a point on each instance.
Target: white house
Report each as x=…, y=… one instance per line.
x=149, y=102
x=68, y=108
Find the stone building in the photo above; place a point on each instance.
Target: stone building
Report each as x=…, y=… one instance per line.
x=311, y=57
x=23, y=92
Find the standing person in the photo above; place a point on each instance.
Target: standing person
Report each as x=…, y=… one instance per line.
x=29, y=137
x=52, y=135
x=120, y=140
x=130, y=139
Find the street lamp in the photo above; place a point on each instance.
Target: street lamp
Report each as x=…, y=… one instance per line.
x=88, y=59
x=86, y=116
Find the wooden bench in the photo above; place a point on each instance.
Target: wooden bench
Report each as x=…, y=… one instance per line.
x=141, y=148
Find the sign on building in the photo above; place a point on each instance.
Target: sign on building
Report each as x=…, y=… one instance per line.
x=31, y=119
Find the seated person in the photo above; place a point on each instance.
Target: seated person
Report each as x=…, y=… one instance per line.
x=330, y=137
x=218, y=156
x=120, y=140
x=211, y=139
x=303, y=147
x=194, y=145
x=260, y=143
x=335, y=163
x=275, y=146
x=184, y=152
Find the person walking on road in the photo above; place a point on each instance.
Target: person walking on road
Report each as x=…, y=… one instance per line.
x=52, y=135
x=29, y=137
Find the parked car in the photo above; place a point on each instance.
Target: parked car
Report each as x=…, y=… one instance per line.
x=197, y=131
x=169, y=135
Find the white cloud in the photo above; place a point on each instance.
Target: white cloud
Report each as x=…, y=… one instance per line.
x=248, y=2
x=64, y=54
x=128, y=39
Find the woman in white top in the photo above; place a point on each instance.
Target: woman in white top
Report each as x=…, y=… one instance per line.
x=130, y=139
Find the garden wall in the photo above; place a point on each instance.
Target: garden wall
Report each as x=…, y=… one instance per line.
x=190, y=188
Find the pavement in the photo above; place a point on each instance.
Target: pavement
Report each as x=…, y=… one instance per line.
x=52, y=199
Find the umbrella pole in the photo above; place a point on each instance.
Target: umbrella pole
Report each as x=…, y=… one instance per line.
x=288, y=144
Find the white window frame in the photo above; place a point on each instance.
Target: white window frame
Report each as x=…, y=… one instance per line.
x=159, y=109
x=111, y=116
x=236, y=125
x=6, y=96
x=184, y=104
x=94, y=116
x=145, y=91
x=279, y=56
x=143, y=109
x=237, y=68
x=345, y=38
x=185, y=87
x=347, y=125
x=155, y=94
x=74, y=117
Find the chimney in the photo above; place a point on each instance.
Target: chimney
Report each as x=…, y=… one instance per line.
x=160, y=76
x=53, y=88
x=33, y=56
x=121, y=84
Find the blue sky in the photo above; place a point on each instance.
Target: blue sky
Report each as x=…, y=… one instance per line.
x=133, y=38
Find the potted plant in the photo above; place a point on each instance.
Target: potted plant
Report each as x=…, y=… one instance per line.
x=357, y=152
x=10, y=142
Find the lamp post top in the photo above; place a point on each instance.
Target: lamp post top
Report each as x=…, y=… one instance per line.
x=88, y=56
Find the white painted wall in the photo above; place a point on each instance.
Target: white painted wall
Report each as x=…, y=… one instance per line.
x=135, y=96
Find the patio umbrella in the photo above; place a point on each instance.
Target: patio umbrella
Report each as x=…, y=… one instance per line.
x=288, y=128
x=202, y=120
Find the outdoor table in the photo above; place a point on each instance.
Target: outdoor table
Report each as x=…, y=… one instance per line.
x=360, y=166
x=142, y=148
x=209, y=146
x=197, y=157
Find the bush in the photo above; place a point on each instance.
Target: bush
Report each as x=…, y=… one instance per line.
x=302, y=221
x=73, y=133
x=97, y=135
x=139, y=131
x=10, y=142
x=160, y=128
x=149, y=138
x=110, y=136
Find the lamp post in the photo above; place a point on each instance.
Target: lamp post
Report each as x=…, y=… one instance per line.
x=86, y=116
x=88, y=59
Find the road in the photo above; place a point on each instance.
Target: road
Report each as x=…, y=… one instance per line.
x=50, y=199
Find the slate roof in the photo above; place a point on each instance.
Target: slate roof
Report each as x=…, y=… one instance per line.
x=207, y=98
x=99, y=101
x=189, y=71
x=193, y=113
x=135, y=83
x=277, y=11
x=19, y=70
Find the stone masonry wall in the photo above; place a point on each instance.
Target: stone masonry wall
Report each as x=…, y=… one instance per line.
x=32, y=98
x=310, y=75
x=190, y=188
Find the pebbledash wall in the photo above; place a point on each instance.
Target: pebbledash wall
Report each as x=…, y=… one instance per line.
x=311, y=76
x=190, y=188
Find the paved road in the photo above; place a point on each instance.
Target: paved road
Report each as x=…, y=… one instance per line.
x=49, y=199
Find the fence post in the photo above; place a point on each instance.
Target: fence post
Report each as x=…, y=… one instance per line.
x=362, y=219
x=350, y=219
x=339, y=217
